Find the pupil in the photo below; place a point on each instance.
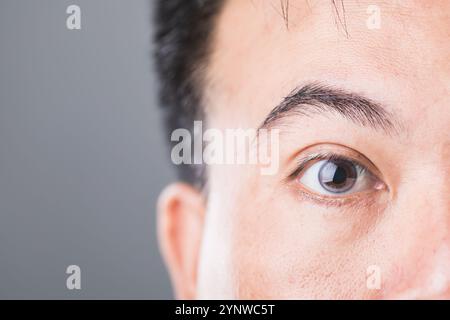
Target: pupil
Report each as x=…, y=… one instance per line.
x=337, y=176
x=340, y=176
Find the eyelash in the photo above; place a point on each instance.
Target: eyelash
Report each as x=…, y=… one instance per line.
x=328, y=156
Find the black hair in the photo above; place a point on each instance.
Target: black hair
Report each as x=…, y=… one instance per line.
x=184, y=30
x=183, y=39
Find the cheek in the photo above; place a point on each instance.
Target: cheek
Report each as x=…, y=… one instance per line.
x=218, y=275
x=262, y=242
x=285, y=249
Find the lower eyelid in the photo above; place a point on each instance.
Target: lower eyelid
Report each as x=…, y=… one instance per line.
x=361, y=199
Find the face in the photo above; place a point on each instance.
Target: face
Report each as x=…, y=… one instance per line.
x=359, y=205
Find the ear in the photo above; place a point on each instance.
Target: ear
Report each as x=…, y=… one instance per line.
x=181, y=211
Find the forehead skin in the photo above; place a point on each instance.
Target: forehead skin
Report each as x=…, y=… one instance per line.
x=255, y=49
x=257, y=60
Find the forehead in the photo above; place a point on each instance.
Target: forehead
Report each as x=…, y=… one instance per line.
x=264, y=49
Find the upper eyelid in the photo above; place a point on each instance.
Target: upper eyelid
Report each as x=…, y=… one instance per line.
x=305, y=161
x=302, y=165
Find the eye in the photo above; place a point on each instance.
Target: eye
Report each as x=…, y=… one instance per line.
x=337, y=177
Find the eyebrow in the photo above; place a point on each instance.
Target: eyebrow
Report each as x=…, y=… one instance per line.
x=317, y=98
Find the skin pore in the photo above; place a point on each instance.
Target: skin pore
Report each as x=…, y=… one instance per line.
x=284, y=236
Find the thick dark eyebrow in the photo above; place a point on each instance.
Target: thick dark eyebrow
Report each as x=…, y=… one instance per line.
x=315, y=98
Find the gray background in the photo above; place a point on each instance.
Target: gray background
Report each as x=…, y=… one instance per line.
x=82, y=152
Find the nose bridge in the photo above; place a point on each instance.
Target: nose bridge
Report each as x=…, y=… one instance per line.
x=427, y=275
x=440, y=177
x=444, y=153
x=426, y=188
x=424, y=214
x=436, y=275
